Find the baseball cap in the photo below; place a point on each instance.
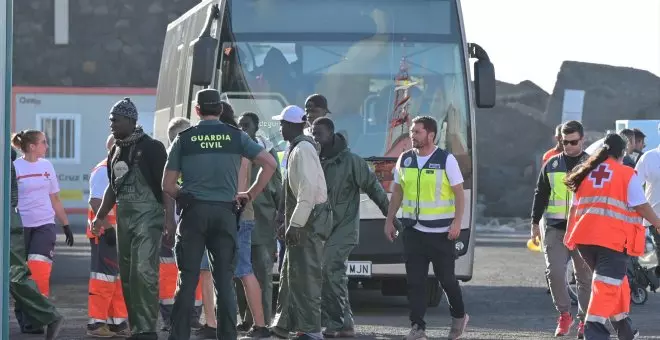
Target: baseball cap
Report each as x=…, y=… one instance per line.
x=209, y=99
x=318, y=100
x=292, y=114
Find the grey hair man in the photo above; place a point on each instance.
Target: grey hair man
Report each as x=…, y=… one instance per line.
x=175, y=126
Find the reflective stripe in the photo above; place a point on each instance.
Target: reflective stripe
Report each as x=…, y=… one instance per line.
x=609, y=213
x=427, y=217
x=40, y=258
x=608, y=280
x=619, y=317
x=167, y=301
x=429, y=205
x=102, y=277
x=595, y=318
x=93, y=321
x=198, y=303
x=604, y=200
x=168, y=260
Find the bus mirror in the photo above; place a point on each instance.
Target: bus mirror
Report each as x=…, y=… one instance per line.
x=484, y=83
x=203, y=60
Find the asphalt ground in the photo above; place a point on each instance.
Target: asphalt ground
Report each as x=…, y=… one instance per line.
x=506, y=298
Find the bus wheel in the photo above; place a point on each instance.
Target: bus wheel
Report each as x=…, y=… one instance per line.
x=433, y=293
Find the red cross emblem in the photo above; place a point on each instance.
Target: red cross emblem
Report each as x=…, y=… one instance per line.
x=600, y=176
x=46, y=174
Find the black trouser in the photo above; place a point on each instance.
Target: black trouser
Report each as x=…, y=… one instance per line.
x=421, y=249
x=210, y=225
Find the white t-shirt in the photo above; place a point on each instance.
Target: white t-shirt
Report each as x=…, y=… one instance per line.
x=98, y=181
x=36, y=182
x=648, y=170
x=453, y=172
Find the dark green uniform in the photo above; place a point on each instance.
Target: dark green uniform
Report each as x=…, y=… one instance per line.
x=208, y=156
x=134, y=172
x=345, y=174
x=263, y=244
x=37, y=310
x=299, y=303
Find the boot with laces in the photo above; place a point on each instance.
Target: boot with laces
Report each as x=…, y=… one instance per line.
x=458, y=326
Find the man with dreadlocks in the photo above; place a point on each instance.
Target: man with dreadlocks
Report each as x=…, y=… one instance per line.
x=136, y=168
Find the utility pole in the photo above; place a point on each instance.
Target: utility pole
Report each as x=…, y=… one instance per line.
x=6, y=20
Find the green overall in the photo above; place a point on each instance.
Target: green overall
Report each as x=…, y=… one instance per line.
x=36, y=307
x=140, y=221
x=299, y=297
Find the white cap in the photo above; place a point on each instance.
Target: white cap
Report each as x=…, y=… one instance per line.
x=291, y=114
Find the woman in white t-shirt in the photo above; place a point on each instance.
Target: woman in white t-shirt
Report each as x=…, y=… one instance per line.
x=38, y=204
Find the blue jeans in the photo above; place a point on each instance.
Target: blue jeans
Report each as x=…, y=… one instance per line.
x=244, y=255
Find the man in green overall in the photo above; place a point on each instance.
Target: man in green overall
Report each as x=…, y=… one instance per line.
x=346, y=175
x=35, y=307
x=208, y=157
x=136, y=163
x=308, y=221
x=263, y=235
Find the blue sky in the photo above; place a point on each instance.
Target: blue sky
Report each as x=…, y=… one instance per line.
x=529, y=39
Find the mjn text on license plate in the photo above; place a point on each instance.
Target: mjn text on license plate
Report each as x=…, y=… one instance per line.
x=359, y=269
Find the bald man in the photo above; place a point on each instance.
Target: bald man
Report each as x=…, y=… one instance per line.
x=106, y=308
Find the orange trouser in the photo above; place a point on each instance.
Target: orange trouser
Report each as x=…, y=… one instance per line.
x=40, y=245
x=610, y=293
x=168, y=284
x=106, y=299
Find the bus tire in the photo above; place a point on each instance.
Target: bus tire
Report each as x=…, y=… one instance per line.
x=433, y=293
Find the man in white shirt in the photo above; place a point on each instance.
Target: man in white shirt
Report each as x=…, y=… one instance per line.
x=308, y=219
x=648, y=170
x=429, y=183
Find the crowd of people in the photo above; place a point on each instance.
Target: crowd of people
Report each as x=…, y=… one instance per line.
x=192, y=230
x=596, y=208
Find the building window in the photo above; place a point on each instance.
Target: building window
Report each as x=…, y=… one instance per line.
x=63, y=134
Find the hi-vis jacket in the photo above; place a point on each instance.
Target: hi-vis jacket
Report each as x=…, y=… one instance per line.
x=603, y=217
x=427, y=195
x=560, y=196
x=111, y=218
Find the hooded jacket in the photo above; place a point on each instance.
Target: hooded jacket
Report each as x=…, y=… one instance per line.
x=347, y=175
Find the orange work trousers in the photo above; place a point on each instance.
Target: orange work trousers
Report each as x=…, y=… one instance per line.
x=106, y=299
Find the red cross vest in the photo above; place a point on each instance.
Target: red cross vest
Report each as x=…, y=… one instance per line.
x=112, y=217
x=602, y=216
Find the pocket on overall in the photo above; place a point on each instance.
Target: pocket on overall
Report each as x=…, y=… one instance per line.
x=636, y=242
x=321, y=220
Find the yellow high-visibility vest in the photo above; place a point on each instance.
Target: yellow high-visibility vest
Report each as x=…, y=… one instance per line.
x=428, y=198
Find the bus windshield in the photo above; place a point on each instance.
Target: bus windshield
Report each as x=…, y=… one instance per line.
x=378, y=63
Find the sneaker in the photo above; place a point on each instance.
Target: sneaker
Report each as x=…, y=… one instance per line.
x=206, y=332
x=29, y=329
x=121, y=330
x=243, y=327
x=344, y=333
x=580, y=330
x=564, y=324
x=636, y=334
x=416, y=333
x=458, y=326
x=54, y=328
x=99, y=330
x=302, y=336
x=195, y=325
x=257, y=333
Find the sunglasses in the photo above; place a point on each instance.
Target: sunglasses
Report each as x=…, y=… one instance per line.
x=571, y=142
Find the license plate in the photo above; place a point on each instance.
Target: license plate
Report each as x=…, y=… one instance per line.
x=359, y=269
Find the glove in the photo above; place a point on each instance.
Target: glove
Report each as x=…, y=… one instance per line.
x=295, y=236
x=183, y=201
x=110, y=236
x=69, y=235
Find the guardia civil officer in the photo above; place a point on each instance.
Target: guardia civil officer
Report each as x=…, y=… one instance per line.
x=208, y=157
x=431, y=222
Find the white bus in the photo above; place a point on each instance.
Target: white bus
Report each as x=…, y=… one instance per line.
x=378, y=62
